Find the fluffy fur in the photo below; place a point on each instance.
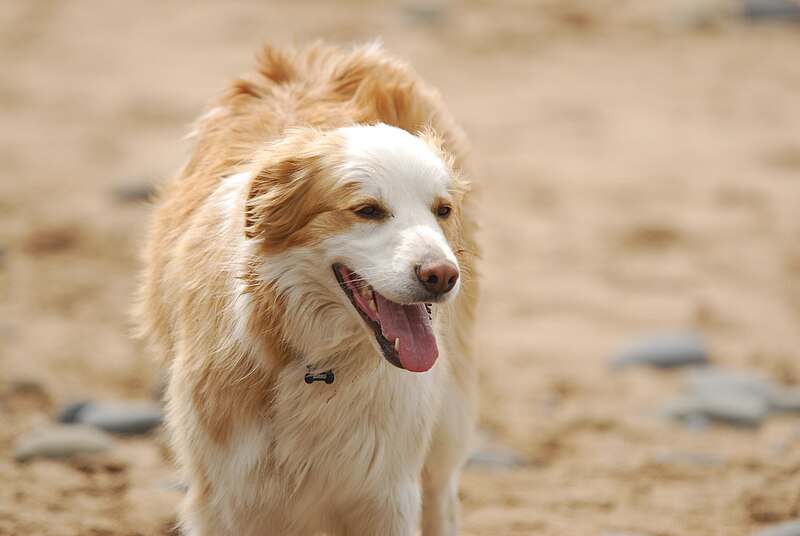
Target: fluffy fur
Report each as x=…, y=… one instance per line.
x=240, y=298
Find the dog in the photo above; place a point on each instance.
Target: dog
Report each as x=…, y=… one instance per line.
x=310, y=281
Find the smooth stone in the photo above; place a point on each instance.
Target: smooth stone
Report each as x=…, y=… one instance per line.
x=697, y=423
x=496, y=458
x=771, y=10
x=779, y=397
x=741, y=409
x=427, y=14
x=695, y=459
x=664, y=350
x=783, y=398
x=122, y=418
x=27, y=385
x=711, y=379
x=790, y=528
x=71, y=411
x=130, y=193
x=736, y=409
x=61, y=441
x=699, y=15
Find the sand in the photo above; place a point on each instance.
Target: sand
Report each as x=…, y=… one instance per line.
x=641, y=171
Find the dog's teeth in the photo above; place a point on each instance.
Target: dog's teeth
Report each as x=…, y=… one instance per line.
x=367, y=292
x=397, y=345
x=372, y=305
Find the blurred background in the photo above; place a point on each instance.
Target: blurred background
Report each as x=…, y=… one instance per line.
x=640, y=329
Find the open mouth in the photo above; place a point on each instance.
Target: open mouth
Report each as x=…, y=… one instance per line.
x=403, y=331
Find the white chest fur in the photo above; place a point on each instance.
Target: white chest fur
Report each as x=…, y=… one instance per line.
x=321, y=449
x=354, y=433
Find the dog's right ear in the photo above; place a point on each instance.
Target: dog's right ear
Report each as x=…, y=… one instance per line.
x=289, y=188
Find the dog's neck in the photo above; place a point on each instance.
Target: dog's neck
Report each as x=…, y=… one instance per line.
x=349, y=367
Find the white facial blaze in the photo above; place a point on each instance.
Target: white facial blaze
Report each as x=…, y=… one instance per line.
x=399, y=170
x=421, y=242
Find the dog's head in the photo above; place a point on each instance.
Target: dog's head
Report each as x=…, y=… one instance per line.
x=367, y=218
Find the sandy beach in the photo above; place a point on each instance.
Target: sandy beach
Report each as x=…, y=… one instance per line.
x=640, y=167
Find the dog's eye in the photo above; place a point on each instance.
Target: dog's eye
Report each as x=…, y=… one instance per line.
x=372, y=212
x=443, y=211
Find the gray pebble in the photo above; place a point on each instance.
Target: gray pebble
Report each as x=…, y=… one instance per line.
x=713, y=379
x=28, y=385
x=664, y=350
x=771, y=10
x=697, y=423
x=71, y=411
x=783, y=398
x=493, y=457
x=61, y=441
x=790, y=528
x=741, y=409
x=122, y=418
x=131, y=193
x=696, y=459
x=698, y=15
x=778, y=397
x=427, y=13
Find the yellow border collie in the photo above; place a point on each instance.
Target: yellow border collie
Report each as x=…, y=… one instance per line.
x=310, y=283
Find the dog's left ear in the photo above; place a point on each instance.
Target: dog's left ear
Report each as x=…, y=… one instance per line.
x=289, y=188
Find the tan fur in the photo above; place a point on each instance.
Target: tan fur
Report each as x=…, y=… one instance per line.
x=278, y=121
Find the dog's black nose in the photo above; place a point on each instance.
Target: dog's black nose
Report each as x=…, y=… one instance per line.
x=437, y=277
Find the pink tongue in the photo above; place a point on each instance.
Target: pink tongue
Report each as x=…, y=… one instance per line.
x=410, y=324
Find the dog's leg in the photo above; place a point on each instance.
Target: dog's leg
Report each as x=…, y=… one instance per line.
x=196, y=519
x=209, y=508
x=449, y=449
x=396, y=515
x=441, y=510
x=189, y=519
